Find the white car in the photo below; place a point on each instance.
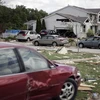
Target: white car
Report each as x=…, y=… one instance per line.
x=27, y=35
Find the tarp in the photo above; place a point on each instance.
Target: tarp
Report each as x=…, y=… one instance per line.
x=12, y=31
x=8, y=33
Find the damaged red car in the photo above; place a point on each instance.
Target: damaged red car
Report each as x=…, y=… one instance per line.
x=27, y=75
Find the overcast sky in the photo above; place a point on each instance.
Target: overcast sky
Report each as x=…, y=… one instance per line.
x=52, y=5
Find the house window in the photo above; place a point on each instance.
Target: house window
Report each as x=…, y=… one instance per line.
x=63, y=20
x=99, y=18
x=90, y=17
x=84, y=28
x=91, y=27
x=87, y=20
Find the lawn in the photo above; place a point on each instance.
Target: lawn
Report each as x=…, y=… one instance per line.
x=69, y=55
x=90, y=69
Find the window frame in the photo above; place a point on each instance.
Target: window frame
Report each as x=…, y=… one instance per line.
x=18, y=61
x=42, y=69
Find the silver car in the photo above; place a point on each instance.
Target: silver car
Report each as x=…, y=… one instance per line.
x=54, y=40
x=90, y=42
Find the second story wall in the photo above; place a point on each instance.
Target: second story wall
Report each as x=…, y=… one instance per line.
x=73, y=11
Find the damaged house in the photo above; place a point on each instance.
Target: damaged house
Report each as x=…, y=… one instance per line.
x=77, y=19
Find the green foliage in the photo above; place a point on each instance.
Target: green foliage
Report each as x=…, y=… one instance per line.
x=10, y=38
x=38, y=25
x=71, y=41
x=43, y=24
x=15, y=18
x=90, y=33
x=24, y=27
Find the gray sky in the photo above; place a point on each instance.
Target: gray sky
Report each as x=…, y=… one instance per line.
x=52, y=5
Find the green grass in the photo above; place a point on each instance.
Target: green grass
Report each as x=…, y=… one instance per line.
x=52, y=55
x=88, y=69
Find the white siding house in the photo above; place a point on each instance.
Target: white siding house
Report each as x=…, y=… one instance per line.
x=80, y=19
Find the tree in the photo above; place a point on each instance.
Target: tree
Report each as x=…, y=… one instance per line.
x=15, y=18
x=38, y=25
x=43, y=24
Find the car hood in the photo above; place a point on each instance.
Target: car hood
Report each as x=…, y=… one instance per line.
x=65, y=67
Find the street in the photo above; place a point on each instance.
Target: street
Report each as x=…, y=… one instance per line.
x=74, y=49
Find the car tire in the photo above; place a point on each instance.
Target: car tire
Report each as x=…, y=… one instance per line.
x=36, y=43
x=99, y=46
x=17, y=40
x=28, y=39
x=81, y=45
x=69, y=90
x=38, y=37
x=54, y=44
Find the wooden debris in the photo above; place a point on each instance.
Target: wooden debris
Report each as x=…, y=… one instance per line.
x=85, y=87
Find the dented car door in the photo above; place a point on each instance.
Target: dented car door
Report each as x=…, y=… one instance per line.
x=39, y=73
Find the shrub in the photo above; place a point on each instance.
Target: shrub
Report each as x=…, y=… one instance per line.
x=10, y=38
x=90, y=33
x=71, y=41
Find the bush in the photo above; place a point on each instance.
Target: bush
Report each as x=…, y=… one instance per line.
x=90, y=33
x=10, y=38
x=71, y=41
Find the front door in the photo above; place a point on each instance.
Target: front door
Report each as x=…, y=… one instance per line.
x=12, y=82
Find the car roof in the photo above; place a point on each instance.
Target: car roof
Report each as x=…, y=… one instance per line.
x=7, y=44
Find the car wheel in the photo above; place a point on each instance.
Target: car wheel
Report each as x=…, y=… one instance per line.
x=54, y=44
x=28, y=39
x=69, y=90
x=36, y=43
x=38, y=37
x=81, y=45
x=99, y=46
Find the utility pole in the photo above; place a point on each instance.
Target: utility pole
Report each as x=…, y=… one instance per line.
x=77, y=38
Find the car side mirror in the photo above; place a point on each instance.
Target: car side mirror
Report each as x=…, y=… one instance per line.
x=85, y=39
x=52, y=66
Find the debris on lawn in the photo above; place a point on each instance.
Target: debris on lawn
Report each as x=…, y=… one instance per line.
x=63, y=50
x=90, y=78
x=50, y=53
x=65, y=61
x=95, y=83
x=81, y=88
x=66, y=57
x=57, y=57
x=85, y=87
x=95, y=96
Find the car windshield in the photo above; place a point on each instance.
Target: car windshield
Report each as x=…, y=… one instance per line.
x=22, y=32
